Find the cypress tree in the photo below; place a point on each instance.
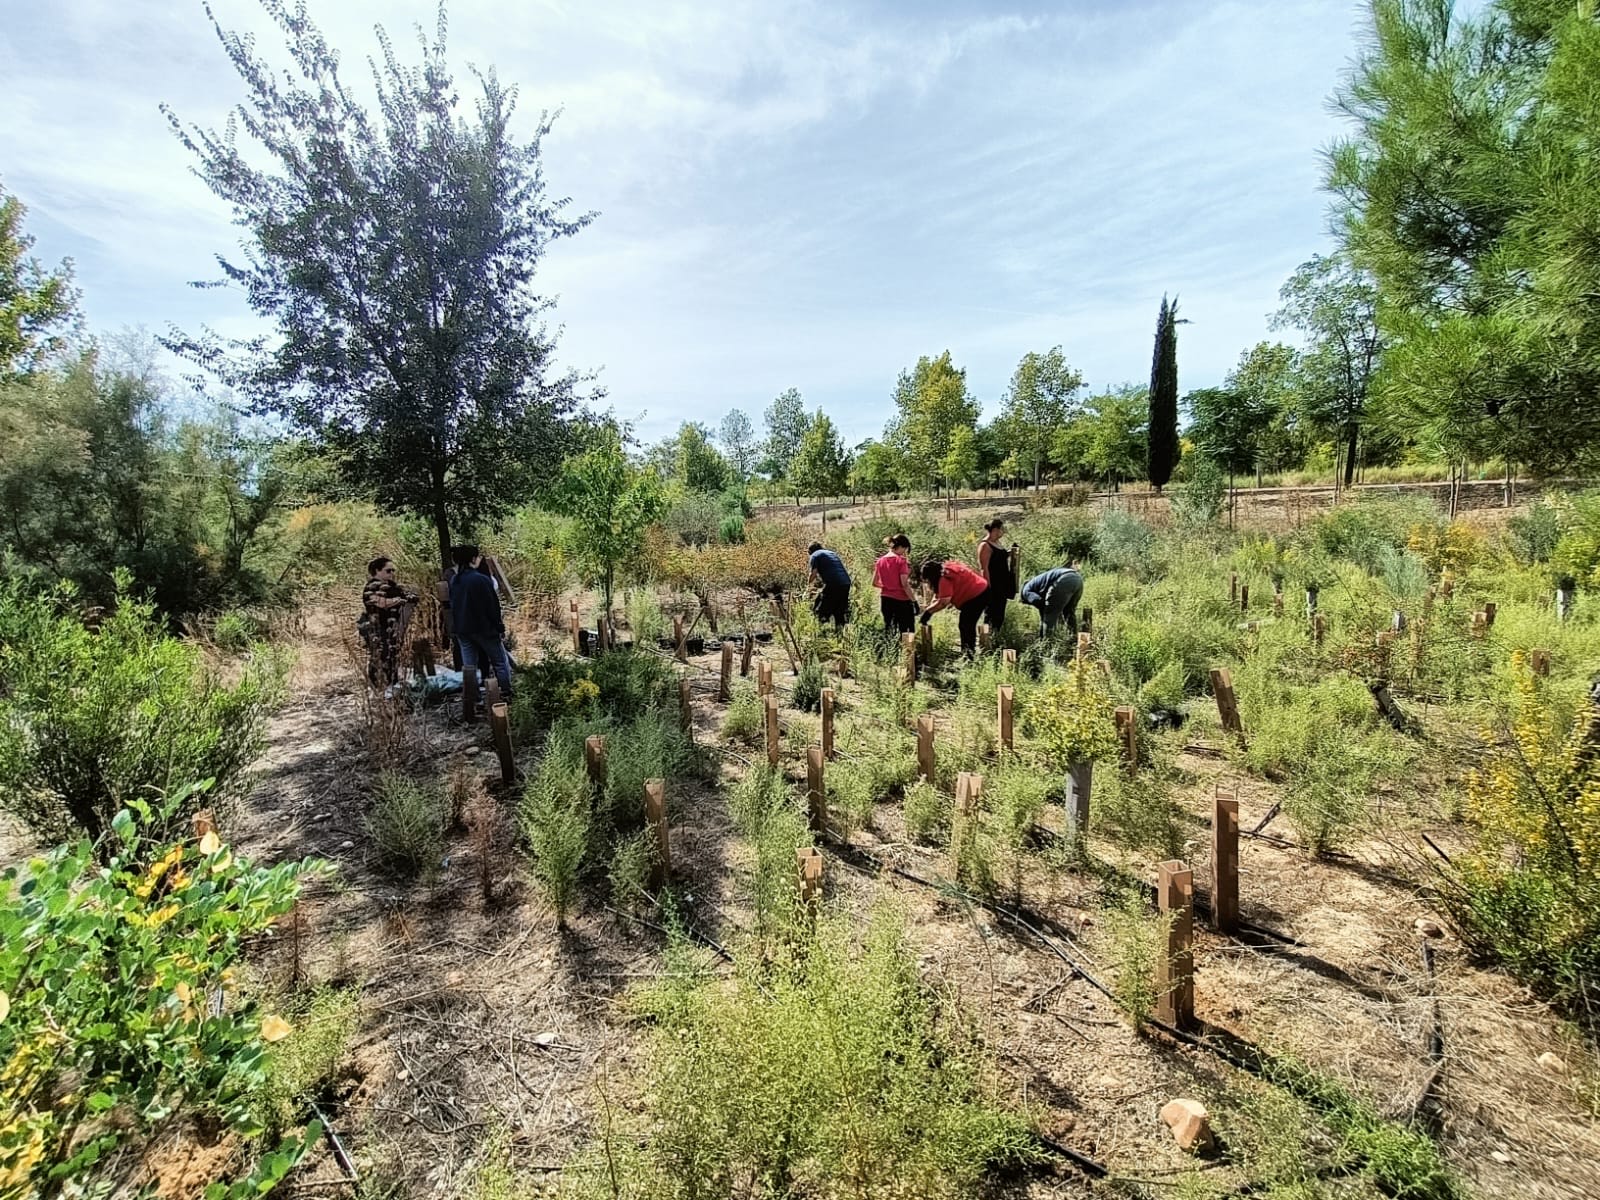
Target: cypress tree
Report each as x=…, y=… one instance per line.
x=1164, y=397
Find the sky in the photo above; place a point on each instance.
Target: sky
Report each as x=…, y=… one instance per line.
x=790, y=193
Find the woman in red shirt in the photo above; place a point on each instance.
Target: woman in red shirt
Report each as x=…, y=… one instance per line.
x=891, y=575
x=958, y=585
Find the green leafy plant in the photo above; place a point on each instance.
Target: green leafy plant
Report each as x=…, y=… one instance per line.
x=556, y=823
x=92, y=720
x=297, y=1068
x=743, y=720
x=121, y=1001
x=1073, y=720
x=927, y=811
x=808, y=685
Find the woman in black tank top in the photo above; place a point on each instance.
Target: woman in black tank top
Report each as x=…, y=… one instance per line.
x=999, y=567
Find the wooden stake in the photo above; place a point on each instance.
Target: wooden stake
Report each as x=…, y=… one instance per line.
x=1539, y=660
x=469, y=696
x=602, y=634
x=746, y=654
x=844, y=666
x=1244, y=597
x=827, y=723
x=763, y=678
x=686, y=707
x=774, y=747
x=577, y=635
x=1175, y=969
x=491, y=691
x=1128, y=727
x=725, y=681
x=655, y=814
x=1489, y=610
x=1319, y=627
x=983, y=637
x=908, y=656
x=1008, y=659
x=925, y=747
x=1480, y=624
x=500, y=726
x=925, y=642
x=1005, y=698
x=808, y=862
x=816, y=793
x=572, y=606
x=1085, y=644
x=1086, y=621
x=1233, y=589
x=679, y=648
x=594, y=761
x=1277, y=604
x=1225, y=860
x=969, y=789
x=1227, y=705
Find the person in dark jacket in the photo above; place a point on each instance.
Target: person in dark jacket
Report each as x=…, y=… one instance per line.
x=833, y=601
x=1055, y=593
x=480, y=628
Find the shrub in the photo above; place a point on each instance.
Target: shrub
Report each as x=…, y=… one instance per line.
x=93, y=720
x=1142, y=812
x=237, y=630
x=731, y=531
x=1166, y=690
x=1200, y=496
x=833, y=1073
x=1059, y=537
x=1122, y=542
x=645, y=618
x=651, y=746
x=743, y=720
x=852, y=793
x=927, y=811
x=633, y=858
x=1073, y=720
x=1137, y=943
x=406, y=824
x=808, y=685
x=555, y=823
x=113, y=971
x=299, y=1067
x=1357, y=532
x=1533, y=533
x=694, y=518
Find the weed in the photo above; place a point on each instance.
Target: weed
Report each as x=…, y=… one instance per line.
x=808, y=685
x=927, y=811
x=1137, y=942
x=743, y=720
x=1142, y=812
x=652, y=746
x=852, y=794
x=300, y=1066
x=406, y=824
x=556, y=824
x=633, y=858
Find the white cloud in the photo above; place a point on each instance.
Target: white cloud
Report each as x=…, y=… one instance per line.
x=800, y=193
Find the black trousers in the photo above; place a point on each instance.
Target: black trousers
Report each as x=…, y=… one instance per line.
x=995, y=612
x=833, y=604
x=971, y=613
x=899, y=616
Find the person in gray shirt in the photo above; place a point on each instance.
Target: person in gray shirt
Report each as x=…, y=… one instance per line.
x=1055, y=593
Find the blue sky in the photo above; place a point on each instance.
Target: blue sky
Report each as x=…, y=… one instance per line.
x=803, y=194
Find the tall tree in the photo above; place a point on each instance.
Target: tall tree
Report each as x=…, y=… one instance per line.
x=1468, y=189
x=875, y=469
x=611, y=503
x=820, y=466
x=1268, y=380
x=738, y=438
x=696, y=464
x=38, y=307
x=1335, y=304
x=960, y=463
x=787, y=423
x=931, y=402
x=1163, y=436
x=395, y=253
x=1106, y=442
x=1038, y=402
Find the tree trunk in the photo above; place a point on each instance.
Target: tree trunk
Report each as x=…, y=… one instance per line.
x=1351, y=436
x=441, y=526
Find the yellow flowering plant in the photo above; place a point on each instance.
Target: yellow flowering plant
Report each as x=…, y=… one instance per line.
x=1529, y=893
x=119, y=1006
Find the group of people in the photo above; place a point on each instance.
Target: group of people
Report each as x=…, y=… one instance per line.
x=476, y=620
x=977, y=595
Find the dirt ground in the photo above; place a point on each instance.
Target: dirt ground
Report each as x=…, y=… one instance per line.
x=479, y=1017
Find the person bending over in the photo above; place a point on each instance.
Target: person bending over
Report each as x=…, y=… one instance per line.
x=833, y=601
x=891, y=575
x=1055, y=593
x=479, y=626
x=957, y=586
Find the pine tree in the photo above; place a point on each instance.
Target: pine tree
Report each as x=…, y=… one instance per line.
x=1164, y=397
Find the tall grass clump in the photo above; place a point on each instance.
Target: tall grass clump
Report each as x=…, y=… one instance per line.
x=771, y=814
x=94, y=719
x=743, y=720
x=834, y=1073
x=556, y=816
x=1122, y=542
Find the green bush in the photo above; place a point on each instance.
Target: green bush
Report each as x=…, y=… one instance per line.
x=1200, y=497
x=1122, y=542
x=1137, y=938
x=1058, y=537
x=832, y=1073
x=407, y=824
x=118, y=965
x=556, y=824
x=808, y=685
x=743, y=720
x=92, y=720
x=1533, y=533
x=1359, y=532
x=927, y=811
x=237, y=630
x=651, y=746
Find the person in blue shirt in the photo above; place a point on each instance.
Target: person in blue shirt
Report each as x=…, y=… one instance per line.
x=833, y=601
x=480, y=628
x=1055, y=593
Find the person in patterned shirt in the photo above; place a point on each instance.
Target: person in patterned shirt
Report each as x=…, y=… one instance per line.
x=381, y=603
